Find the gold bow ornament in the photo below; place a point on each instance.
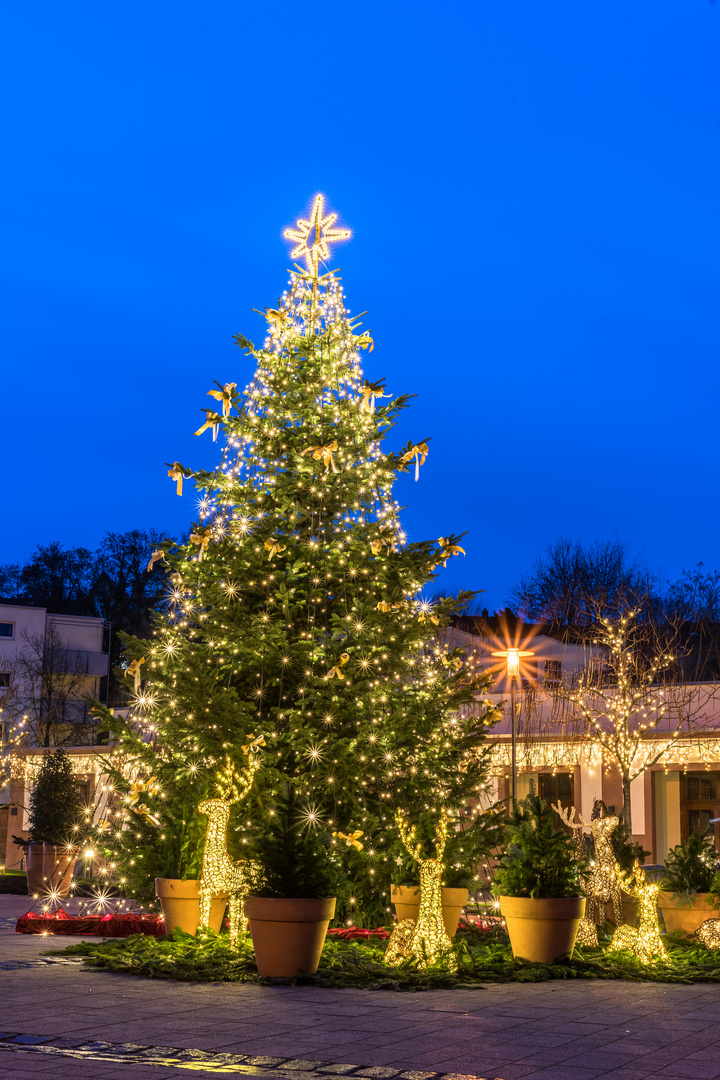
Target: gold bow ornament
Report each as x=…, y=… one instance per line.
x=324, y=453
x=178, y=472
x=140, y=787
x=336, y=670
x=254, y=744
x=370, y=392
x=214, y=420
x=276, y=318
x=364, y=341
x=447, y=549
x=133, y=670
x=155, y=557
x=351, y=839
x=274, y=547
x=226, y=394
x=202, y=538
x=419, y=451
x=147, y=815
x=385, y=606
x=376, y=546
x=425, y=614
x=454, y=662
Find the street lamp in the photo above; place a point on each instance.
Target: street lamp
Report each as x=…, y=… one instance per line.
x=512, y=657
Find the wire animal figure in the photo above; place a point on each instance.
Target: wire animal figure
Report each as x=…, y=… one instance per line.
x=220, y=875
x=708, y=933
x=603, y=884
x=644, y=940
x=425, y=939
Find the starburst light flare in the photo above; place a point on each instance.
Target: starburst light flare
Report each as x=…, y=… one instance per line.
x=313, y=238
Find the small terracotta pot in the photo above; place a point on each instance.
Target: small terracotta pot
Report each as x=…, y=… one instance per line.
x=687, y=919
x=406, y=899
x=288, y=934
x=542, y=930
x=180, y=903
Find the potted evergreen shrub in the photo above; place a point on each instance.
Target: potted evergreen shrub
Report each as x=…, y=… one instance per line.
x=55, y=817
x=158, y=850
x=539, y=883
x=289, y=915
x=691, y=883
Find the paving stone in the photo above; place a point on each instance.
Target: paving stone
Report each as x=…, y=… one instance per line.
x=300, y=1065
x=377, y=1072
x=415, y=1074
x=338, y=1070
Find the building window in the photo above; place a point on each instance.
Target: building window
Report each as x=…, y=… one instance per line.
x=4, y=680
x=557, y=788
x=7, y=629
x=553, y=674
x=700, y=803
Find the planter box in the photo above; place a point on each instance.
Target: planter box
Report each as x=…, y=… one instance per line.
x=288, y=934
x=406, y=899
x=180, y=903
x=542, y=930
x=687, y=919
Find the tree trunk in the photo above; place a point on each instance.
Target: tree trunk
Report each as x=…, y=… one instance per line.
x=627, y=809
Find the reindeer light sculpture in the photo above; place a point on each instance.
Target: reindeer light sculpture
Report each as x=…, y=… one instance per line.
x=603, y=884
x=425, y=939
x=220, y=874
x=644, y=940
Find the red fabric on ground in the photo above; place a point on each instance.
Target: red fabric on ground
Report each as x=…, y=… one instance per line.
x=354, y=933
x=93, y=925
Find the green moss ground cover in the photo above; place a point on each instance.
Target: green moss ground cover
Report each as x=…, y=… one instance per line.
x=482, y=958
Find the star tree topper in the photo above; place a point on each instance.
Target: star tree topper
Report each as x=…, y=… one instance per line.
x=313, y=238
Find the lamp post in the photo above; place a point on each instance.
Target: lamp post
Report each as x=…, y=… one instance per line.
x=512, y=658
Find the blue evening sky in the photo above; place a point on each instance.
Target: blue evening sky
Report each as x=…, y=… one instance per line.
x=533, y=190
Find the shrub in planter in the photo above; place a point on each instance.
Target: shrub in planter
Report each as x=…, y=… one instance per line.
x=56, y=819
x=539, y=883
x=691, y=883
x=289, y=915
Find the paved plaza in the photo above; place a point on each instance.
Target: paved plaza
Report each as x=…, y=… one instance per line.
x=63, y=1020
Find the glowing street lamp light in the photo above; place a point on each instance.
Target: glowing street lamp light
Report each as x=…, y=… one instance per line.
x=512, y=658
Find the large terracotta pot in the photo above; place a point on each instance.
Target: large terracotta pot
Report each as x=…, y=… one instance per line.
x=35, y=870
x=288, y=935
x=49, y=870
x=406, y=899
x=542, y=930
x=58, y=869
x=180, y=903
x=630, y=909
x=687, y=919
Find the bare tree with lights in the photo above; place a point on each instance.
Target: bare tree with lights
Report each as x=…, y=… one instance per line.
x=631, y=700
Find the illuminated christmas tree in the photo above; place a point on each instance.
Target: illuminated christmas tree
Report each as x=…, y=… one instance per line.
x=296, y=612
